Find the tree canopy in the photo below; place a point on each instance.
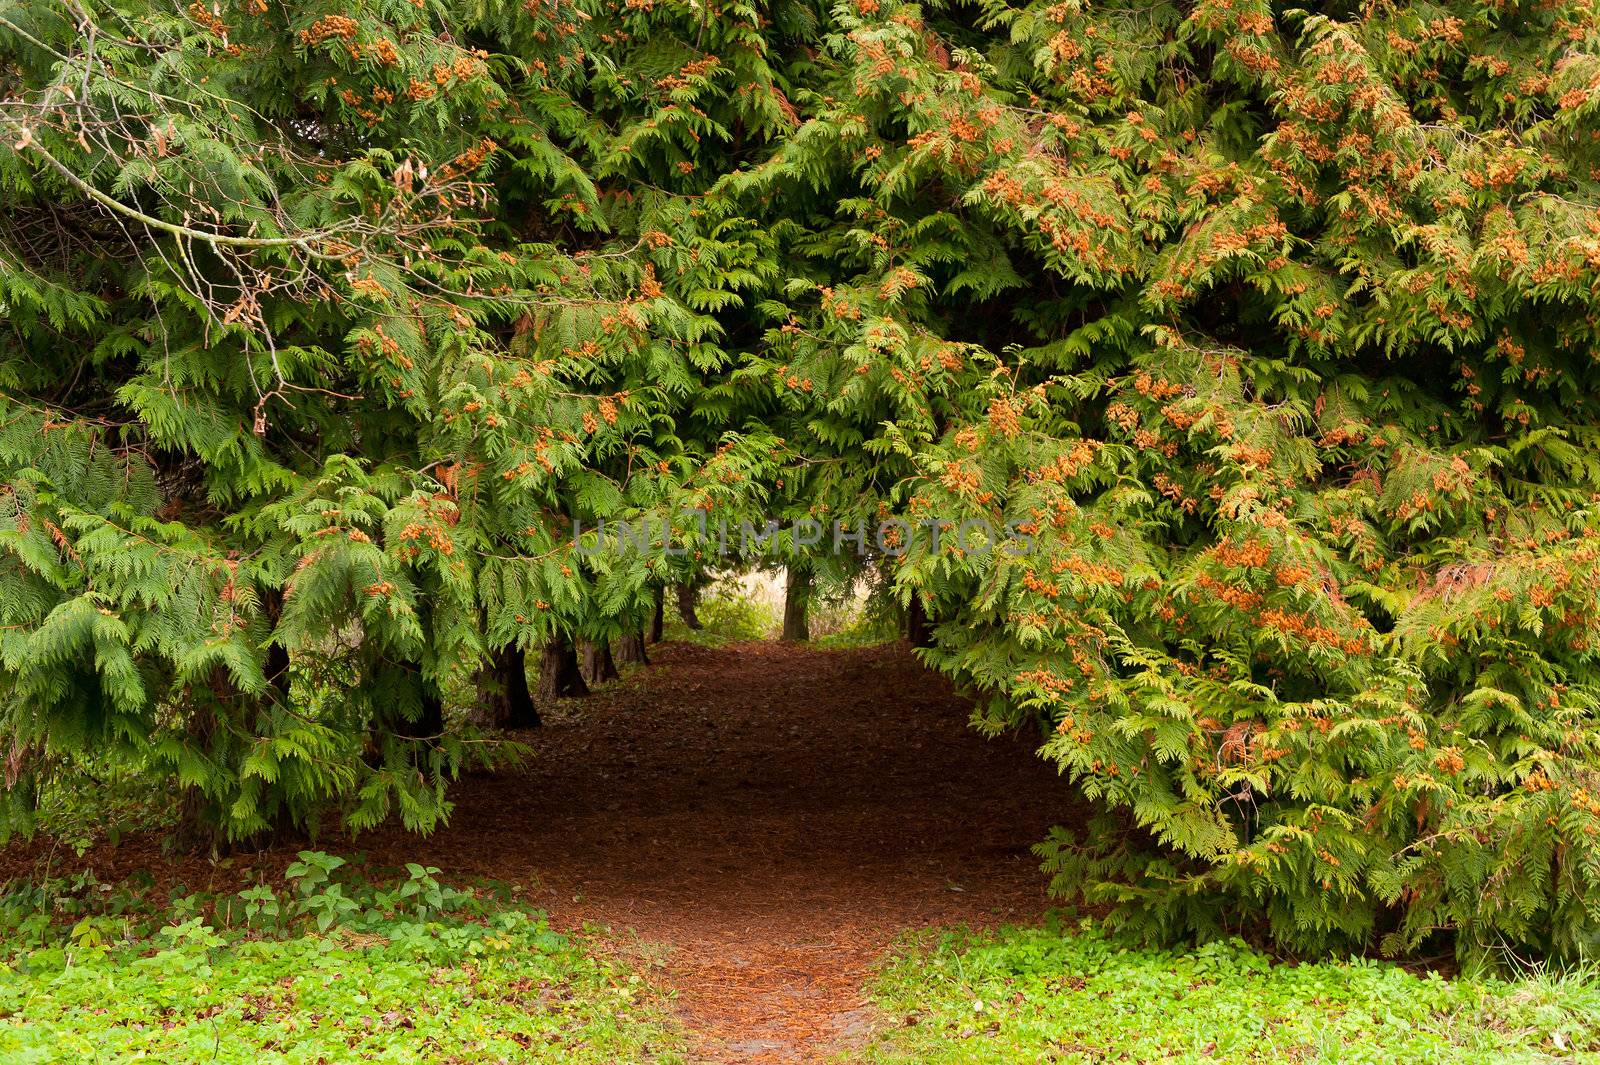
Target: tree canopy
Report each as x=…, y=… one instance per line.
x=1254, y=345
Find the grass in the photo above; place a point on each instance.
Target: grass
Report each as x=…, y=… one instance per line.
x=1040, y=996
x=325, y=970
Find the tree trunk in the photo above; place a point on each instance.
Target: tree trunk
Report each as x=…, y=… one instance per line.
x=659, y=616
x=276, y=666
x=511, y=707
x=559, y=674
x=796, y=598
x=276, y=669
x=919, y=627
x=687, y=594
x=430, y=724
x=631, y=652
x=598, y=665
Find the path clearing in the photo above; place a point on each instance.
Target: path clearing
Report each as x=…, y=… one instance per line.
x=776, y=816
x=772, y=816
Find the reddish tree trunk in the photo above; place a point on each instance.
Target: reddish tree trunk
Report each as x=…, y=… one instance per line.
x=598, y=665
x=559, y=675
x=658, y=616
x=631, y=652
x=687, y=594
x=512, y=705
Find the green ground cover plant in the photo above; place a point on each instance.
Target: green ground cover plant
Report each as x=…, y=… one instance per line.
x=322, y=968
x=1079, y=995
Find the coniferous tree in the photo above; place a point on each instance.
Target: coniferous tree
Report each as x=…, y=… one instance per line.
x=1221, y=374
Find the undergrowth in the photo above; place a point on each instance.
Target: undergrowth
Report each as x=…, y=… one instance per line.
x=321, y=967
x=1038, y=995
x=838, y=617
x=726, y=615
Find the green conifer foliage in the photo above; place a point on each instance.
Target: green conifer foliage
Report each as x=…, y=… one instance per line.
x=327, y=323
x=1270, y=339
x=1261, y=337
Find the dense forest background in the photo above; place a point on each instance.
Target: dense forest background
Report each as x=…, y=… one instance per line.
x=1261, y=337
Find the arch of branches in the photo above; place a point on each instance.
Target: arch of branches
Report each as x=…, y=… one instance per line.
x=1213, y=385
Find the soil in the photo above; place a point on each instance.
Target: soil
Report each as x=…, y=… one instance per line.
x=773, y=816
